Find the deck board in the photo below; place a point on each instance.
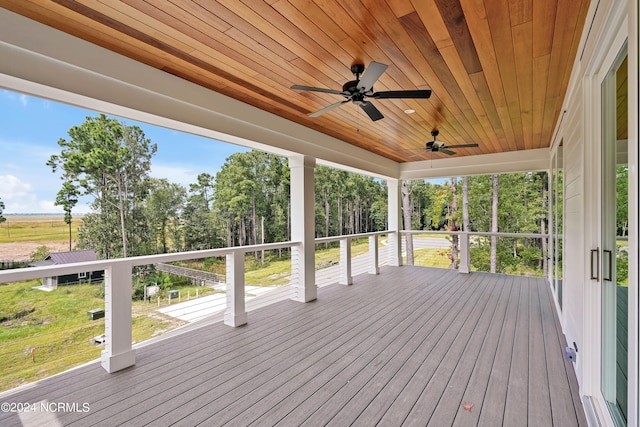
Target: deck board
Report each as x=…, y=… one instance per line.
x=539, y=413
x=410, y=346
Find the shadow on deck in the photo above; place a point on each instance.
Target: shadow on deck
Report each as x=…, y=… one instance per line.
x=413, y=346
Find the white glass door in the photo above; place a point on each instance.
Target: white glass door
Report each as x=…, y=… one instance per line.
x=614, y=242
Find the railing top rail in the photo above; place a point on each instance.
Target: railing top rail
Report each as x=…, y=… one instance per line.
x=478, y=233
x=350, y=236
x=58, y=270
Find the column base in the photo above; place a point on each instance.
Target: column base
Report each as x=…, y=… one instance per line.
x=118, y=362
x=305, y=295
x=235, y=320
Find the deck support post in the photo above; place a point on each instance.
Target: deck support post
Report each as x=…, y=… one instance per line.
x=374, y=267
x=465, y=255
x=394, y=217
x=235, y=314
x=303, y=268
x=345, y=262
x=118, y=353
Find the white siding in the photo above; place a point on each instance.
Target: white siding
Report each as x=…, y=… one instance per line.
x=574, y=219
x=580, y=132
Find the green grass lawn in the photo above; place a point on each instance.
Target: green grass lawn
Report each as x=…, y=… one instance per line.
x=432, y=257
x=56, y=327
x=37, y=229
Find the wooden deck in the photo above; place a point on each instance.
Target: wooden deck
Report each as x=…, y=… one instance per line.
x=411, y=346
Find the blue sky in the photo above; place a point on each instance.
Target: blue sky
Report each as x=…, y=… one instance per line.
x=29, y=132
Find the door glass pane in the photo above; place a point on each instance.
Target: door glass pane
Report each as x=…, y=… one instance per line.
x=615, y=243
x=558, y=232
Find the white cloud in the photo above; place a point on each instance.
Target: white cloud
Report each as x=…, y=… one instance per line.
x=182, y=175
x=16, y=97
x=19, y=196
x=11, y=187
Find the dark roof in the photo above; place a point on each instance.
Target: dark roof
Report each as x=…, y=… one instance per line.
x=57, y=258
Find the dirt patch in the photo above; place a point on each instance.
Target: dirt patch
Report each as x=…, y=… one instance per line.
x=20, y=251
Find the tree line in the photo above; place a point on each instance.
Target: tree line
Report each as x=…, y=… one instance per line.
x=247, y=201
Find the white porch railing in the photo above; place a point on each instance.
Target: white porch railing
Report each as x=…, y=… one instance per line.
x=345, y=253
x=118, y=353
x=464, y=245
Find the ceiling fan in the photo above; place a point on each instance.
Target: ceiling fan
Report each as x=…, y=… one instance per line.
x=358, y=90
x=439, y=146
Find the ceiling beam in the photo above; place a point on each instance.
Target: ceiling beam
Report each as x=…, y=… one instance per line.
x=485, y=164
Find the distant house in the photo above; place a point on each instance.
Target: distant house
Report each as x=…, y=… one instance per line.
x=58, y=258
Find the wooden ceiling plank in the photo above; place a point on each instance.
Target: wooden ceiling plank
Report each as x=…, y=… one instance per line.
x=292, y=13
x=434, y=56
x=189, y=10
x=566, y=36
x=453, y=16
x=428, y=12
x=523, y=49
x=476, y=16
x=564, y=29
x=307, y=8
x=237, y=45
x=253, y=33
x=401, y=7
x=520, y=11
x=398, y=44
x=474, y=126
x=540, y=77
x=482, y=71
x=135, y=19
x=501, y=34
x=472, y=108
x=484, y=93
x=544, y=18
x=300, y=43
x=204, y=40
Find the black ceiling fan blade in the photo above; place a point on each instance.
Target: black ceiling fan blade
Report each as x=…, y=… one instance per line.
x=371, y=110
x=371, y=75
x=402, y=94
x=463, y=146
x=328, y=108
x=317, y=89
x=446, y=151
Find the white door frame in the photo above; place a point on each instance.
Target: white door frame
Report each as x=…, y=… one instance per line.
x=612, y=41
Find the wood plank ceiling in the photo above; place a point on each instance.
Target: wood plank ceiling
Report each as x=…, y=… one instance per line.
x=498, y=69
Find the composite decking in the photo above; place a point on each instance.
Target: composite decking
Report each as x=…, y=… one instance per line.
x=410, y=346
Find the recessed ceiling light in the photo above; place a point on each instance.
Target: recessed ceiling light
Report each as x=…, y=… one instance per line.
x=409, y=111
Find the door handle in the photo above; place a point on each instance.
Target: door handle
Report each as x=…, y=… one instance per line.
x=595, y=268
x=609, y=256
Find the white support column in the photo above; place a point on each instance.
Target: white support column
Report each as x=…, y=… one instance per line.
x=345, y=262
x=118, y=353
x=303, y=271
x=374, y=267
x=465, y=254
x=394, y=218
x=235, y=314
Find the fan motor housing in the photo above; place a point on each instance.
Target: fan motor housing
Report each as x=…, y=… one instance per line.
x=350, y=87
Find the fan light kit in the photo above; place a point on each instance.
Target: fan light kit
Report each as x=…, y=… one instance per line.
x=358, y=90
